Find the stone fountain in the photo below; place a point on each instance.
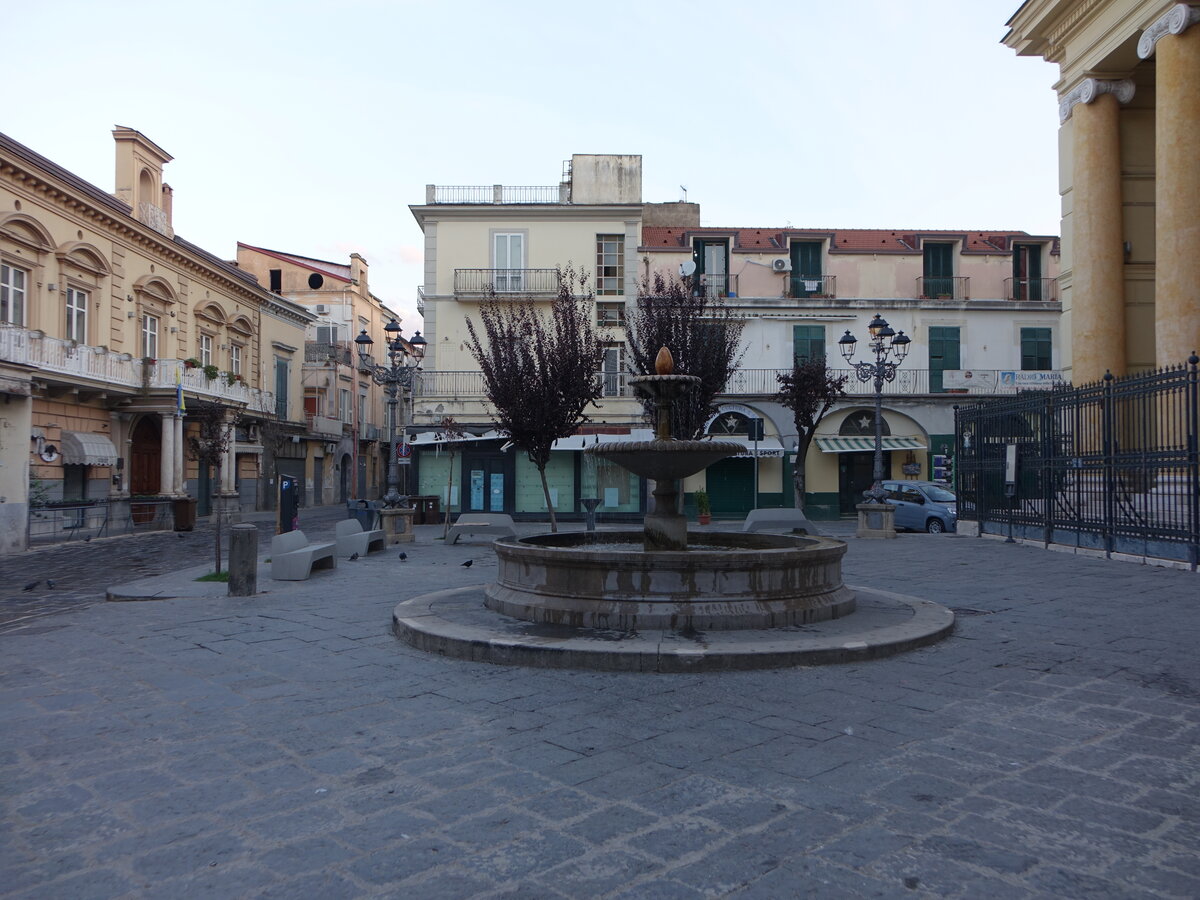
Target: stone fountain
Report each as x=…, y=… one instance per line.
x=657, y=578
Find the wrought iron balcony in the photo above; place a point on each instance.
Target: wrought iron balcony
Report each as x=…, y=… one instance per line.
x=1031, y=289
x=719, y=285
x=943, y=287
x=319, y=351
x=801, y=286
x=530, y=282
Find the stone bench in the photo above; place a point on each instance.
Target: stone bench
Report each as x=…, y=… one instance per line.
x=777, y=520
x=496, y=524
x=293, y=557
x=351, y=538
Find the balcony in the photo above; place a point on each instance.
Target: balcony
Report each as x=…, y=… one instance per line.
x=719, y=285
x=496, y=194
x=324, y=426
x=802, y=286
x=339, y=352
x=1031, y=289
x=370, y=433
x=943, y=287
x=527, y=282
x=421, y=299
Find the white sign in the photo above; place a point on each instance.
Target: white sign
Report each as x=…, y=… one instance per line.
x=1029, y=380
x=959, y=379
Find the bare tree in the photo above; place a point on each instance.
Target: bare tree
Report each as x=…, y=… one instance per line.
x=208, y=445
x=809, y=391
x=540, y=372
x=450, y=432
x=702, y=334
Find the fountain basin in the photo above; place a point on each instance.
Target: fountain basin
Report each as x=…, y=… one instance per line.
x=728, y=582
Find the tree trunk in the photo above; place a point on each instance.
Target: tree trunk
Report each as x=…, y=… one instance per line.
x=217, y=511
x=449, y=494
x=799, y=480
x=549, y=505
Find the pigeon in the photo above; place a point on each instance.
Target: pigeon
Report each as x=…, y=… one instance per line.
x=403, y=555
x=31, y=586
x=88, y=538
x=467, y=564
x=353, y=557
x=49, y=583
x=180, y=536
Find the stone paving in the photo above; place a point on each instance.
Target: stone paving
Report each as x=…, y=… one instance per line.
x=288, y=746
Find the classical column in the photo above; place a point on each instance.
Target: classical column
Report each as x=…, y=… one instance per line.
x=227, y=466
x=166, y=470
x=1098, y=288
x=180, y=448
x=1175, y=44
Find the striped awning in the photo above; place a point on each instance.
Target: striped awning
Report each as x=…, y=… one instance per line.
x=840, y=444
x=81, y=448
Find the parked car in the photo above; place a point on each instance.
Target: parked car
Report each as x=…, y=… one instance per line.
x=923, y=505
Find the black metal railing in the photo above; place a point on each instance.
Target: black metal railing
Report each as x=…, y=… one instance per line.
x=1112, y=466
x=800, y=286
x=943, y=287
x=1030, y=288
x=321, y=351
x=506, y=281
x=63, y=521
x=719, y=285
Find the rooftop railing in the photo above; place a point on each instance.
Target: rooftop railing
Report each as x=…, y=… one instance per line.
x=497, y=193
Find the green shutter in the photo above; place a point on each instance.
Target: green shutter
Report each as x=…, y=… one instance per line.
x=939, y=270
x=806, y=266
x=943, y=354
x=1035, y=349
x=808, y=342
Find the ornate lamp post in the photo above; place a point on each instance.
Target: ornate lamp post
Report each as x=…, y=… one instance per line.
x=884, y=343
x=394, y=377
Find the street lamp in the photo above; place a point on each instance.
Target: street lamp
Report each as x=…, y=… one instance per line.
x=884, y=343
x=397, y=375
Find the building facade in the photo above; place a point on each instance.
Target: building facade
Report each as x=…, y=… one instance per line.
x=982, y=309
x=110, y=324
x=1129, y=103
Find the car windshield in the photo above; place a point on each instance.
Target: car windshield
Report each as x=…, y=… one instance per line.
x=940, y=495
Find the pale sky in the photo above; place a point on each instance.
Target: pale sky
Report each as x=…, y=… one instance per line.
x=310, y=127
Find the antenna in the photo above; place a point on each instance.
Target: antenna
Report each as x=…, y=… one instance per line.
x=683, y=187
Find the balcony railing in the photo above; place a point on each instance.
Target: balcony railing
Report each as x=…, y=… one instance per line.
x=1031, y=289
x=719, y=285
x=319, y=352
x=801, y=286
x=421, y=299
x=506, y=281
x=324, y=425
x=943, y=287
x=497, y=193
x=370, y=433
x=613, y=384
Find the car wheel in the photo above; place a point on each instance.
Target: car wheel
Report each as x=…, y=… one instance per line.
x=935, y=526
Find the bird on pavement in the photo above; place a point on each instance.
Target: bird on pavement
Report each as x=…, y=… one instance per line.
x=467, y=564
x=31, y=586
x=403, y=555
x=88, y=538
x=353, y=557
x=49, y=583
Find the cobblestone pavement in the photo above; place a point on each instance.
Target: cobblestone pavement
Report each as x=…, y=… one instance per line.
x=289, y=746
x=82, y=571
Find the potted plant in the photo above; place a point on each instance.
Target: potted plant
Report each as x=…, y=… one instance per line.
x=231, y=379
x=211, y=372
x=703, y=507
x=191, y=363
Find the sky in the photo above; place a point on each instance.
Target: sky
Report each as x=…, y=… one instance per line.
x=311, y=127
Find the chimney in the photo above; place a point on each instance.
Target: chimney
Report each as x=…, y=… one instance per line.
x=358, y=272
x=139, y=180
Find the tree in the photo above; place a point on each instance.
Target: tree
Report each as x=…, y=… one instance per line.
x=809, y=391
x=540, y=373
x=450, y=432
x=702, y=334
x=209, y=445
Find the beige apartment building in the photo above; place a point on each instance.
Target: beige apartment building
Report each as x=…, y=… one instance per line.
x=1129, y=102
x=110, y=325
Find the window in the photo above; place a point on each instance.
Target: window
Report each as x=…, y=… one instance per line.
x=712, y=266
x=206, y=354
x=808, y=342
x=344, y=405
x=77, y=315
x=362, y=405
x=943, y=354
x=1027, y=272
x=12, y=294
x=1035, y=350
x=612, y=369
x=806, y=268
x=150, y=337
x=276, y=276
x=610, y=314
x=610, y=265
x=235, y=359
x=939, y=270
x=327, y=334
x=281, y=387
x=508, y=253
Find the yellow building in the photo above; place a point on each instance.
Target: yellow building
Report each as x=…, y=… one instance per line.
x=1129, y=103
x=110, y=324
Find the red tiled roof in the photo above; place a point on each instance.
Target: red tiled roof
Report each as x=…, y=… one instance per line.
x=842, y=240
x=336, y=270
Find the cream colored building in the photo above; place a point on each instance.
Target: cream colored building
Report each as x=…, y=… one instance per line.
x=108, y=319
x=344, y=410
x=1129, y=102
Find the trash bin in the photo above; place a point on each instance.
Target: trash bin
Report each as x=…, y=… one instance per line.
x=361, y=510
x=185, y=513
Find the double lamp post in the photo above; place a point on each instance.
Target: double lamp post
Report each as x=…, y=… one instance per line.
x=398, y=375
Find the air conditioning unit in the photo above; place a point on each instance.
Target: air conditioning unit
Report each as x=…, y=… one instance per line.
x=322, y=309
x=783, y=264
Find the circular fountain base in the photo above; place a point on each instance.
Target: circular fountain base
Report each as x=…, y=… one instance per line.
x=723, y=582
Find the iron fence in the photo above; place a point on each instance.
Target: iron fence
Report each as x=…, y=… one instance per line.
x=61, y=522
x=1112, y=466
x=943, y=287
x=506, y=281
x=1031, y=288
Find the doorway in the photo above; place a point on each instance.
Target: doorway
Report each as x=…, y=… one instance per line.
x=730, y=486
x=145, y=457
x=486, y=483
x=855, y=475
x=345, y=475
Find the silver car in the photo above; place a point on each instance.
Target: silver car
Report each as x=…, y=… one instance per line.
x=923, y=505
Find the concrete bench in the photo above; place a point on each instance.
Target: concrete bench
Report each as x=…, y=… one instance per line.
x=351, y=538
x=293, y=558
x=777, y=520
x=496, y=524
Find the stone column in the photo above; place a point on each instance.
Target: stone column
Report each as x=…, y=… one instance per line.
x=166, y=470
x=177, y=487
x=228, y=472
x=1098, y=306
x=1175, y=43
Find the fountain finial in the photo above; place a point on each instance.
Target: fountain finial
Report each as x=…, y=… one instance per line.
x=664, y=363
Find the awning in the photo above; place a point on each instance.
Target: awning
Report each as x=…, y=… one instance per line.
x=81, y=448
x=841, y=444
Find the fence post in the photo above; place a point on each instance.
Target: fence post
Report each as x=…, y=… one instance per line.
x=1110, y=481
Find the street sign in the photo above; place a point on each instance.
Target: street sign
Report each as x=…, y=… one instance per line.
x=404, y=454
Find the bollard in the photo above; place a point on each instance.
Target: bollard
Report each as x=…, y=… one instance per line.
x=243, y=561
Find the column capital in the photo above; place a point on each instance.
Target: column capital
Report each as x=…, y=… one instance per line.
x=1091, y=88
x=1178, y=19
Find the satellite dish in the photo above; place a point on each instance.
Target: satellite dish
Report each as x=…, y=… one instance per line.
x=687, y=269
